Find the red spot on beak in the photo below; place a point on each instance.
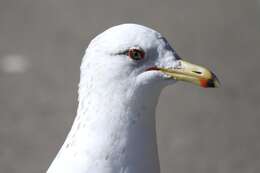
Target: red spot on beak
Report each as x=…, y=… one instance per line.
x=204, y=83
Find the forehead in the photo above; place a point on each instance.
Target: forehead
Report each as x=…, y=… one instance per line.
x=125, y=36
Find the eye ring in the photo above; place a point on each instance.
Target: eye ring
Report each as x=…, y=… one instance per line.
x=135, y=54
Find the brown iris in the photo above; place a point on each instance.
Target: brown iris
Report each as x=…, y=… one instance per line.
x=135, y=54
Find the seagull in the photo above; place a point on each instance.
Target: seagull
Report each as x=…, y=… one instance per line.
x=123, y=72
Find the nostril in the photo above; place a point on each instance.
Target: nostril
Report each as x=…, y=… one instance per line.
x=198, y=72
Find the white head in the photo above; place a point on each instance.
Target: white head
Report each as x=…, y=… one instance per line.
x=141, y=56
x=122, y=74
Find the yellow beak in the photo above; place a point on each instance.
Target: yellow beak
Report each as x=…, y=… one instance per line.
x=195, y=74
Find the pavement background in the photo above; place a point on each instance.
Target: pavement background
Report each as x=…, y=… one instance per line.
x=199, y=131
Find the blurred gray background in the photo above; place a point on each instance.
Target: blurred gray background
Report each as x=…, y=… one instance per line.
x=199, y=130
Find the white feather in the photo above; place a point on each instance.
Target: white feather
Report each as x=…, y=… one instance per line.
x=114, y=130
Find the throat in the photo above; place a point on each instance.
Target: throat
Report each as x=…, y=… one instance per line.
x=117, y=135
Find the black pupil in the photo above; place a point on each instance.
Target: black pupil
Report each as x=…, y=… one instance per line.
x=135, y=54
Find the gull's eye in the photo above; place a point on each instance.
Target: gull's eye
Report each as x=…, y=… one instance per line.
x=135, y=54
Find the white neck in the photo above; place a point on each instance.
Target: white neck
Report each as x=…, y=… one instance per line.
x=113, y=132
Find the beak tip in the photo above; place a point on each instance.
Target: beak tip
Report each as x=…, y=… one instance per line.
x=213, y=83
x=216, y=81
x=210, y=83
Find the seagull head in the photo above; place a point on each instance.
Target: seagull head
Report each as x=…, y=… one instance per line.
x=140, y=56
x=122, y=73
